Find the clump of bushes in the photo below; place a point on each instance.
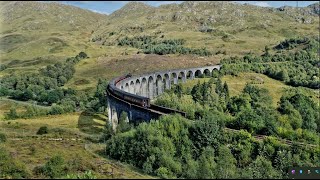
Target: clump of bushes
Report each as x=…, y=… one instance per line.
x=3, y=138
x=42, y=130
x=10, y=168
x=54, y=168
x=150, y=45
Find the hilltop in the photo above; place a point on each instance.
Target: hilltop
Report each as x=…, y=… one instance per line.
x=35, y=30
x=236, y=28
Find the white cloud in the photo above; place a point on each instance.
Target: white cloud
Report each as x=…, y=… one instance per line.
x=100, y=12
x=262, y=4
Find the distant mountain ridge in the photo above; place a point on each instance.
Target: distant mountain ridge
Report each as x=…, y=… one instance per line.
x=35, y=29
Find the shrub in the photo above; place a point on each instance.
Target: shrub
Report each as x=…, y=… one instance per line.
x=12, y=114
x=56, y=109
x=9, y=168
x=43, y=130
x=85, y=175
x=3, y=138
x=54, y=168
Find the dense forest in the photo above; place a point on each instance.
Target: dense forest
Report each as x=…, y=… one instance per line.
x=200, y=146
x=150, y=45
x=45, y=88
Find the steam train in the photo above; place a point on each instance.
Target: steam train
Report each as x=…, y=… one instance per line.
x=135, y=99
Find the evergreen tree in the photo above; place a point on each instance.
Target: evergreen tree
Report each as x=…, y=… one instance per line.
x=226, y=164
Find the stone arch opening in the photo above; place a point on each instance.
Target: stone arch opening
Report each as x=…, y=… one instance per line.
x=114, y=118
x=144, y=87
x=166, y=81
x=198, y=73
x=181, y=77
x=131, y=87
x=126, y=87
x=207, y=73
x=215, y=73
x=125, y=115
x=190, y=75
x=137, y=87
x=174, y=78
x=159, y=85
x=150, y=87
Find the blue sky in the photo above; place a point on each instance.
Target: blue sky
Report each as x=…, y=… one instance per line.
x=107, y=7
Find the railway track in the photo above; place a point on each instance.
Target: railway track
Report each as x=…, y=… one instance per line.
x=285, y=141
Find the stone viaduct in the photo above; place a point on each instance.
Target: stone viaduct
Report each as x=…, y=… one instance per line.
x=153, y=84
x=150, y=85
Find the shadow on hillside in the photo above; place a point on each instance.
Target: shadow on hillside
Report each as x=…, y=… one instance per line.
x=86, y=123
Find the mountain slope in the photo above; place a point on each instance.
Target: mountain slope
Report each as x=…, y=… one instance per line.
x=30, y=16
x=34, y=34
x=229, y=26
x=33, y=30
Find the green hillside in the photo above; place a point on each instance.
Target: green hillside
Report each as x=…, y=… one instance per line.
x=35, y=34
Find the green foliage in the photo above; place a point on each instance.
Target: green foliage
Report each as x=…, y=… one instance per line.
x=206, y=132
x=56, y=109
x=301, y=108
x=43, y=86
x=291, y=43
x=207, y=165
x=249, y=120
x=42, y=130
x=297, y=68
x=12, y=114
x=154, y=145
x=54, y=168
x=10, y=168
x=123, y=125
x=164, y=173
x=3, y=137
x=86, y=175
x=82, y=55
x=100, y=99
x=178, y=90
x=226, y=164
x=239, y=103
x=259, y=96
x=261, y=168
x=170, y=46
x=33, y=111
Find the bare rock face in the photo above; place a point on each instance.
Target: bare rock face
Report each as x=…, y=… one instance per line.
x=315, y=8
x=177, y=16
x=306, y=20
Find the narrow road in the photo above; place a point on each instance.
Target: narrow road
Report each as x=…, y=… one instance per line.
x=24, y=103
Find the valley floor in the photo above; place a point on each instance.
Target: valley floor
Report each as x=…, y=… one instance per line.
x=73, y=136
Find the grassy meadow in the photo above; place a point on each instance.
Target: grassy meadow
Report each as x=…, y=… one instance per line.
x=275, y=88
x=75, y=132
